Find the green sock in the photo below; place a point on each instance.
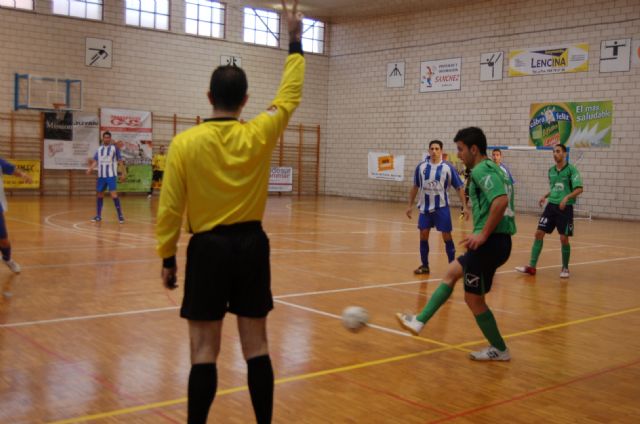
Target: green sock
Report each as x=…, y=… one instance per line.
x=438, y=298
x=566, y=254
x=535, y=252
x=489, y=327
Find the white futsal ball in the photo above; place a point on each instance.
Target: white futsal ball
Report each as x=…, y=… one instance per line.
x=354, y=318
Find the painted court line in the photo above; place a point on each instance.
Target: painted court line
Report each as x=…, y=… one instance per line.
x=536, y=392
x=367, y=364
x=287, y=296
x=377, y=327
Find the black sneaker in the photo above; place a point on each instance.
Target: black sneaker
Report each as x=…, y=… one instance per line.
x=421, y=270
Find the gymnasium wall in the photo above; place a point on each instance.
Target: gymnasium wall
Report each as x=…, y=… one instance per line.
x=366, y=116
x=165, y=72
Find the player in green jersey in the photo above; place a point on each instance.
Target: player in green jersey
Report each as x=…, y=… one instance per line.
x=565, y=186
x=488, y=247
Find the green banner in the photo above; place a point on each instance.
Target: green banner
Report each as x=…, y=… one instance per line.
x=574, y=124
x=138, y=179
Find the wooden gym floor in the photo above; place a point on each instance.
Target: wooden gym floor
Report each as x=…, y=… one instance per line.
x=87, y=333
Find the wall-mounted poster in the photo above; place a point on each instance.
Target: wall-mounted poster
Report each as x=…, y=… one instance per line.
x=385, y=166
x=615, y=55
x=635, y=52
x=70, y=139
x=131, y=131
x=574, y=124
x=549, y=60
x=491, y=66
x=395, y=75
x=440, y=75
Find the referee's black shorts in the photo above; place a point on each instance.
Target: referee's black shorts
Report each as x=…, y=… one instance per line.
x=228, y=270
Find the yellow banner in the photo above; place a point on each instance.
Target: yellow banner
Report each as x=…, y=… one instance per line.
x=30, y=167
x=549, y=60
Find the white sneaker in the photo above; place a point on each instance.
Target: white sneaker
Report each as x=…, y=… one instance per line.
x=410, y=322
x=148, y=196
x=13, y=266
x=490, y=353
x=564, y=273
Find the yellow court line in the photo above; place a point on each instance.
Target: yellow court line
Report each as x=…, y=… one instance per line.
x=307, y=376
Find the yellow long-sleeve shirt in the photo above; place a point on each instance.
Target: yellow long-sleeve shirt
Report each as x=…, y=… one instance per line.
x=219, y=170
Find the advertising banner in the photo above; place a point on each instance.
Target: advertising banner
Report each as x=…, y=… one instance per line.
x=635, y=52
x=30, y=167
x=440, y=75
x=385, y=166
x=574, y=124
x=131, y=131
x=70, y=139
x=281, y=178
x=549, y=60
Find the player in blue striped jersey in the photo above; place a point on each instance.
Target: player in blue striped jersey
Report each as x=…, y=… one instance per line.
x=7, y=168
x=432, y=179
x=496, y=156
x=106, y=160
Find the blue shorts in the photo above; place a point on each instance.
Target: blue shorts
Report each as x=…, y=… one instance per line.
x=439, y=218
x=104, y=183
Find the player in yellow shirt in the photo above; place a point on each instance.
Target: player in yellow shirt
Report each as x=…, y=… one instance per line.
x=157, y=164
x=219, y=172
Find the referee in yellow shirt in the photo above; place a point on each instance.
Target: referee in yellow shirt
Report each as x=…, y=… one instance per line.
x=219, y=172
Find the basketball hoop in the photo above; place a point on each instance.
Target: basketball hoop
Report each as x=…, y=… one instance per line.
x=60, y=109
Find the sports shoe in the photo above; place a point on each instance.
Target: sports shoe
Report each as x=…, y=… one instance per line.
x=96, y=219
x=490, y=353
x=148, y=196
x=564, y=273
x=526, y=269
x=421, y=270
x=121, y=219
x=13, y=265
x=410, y=322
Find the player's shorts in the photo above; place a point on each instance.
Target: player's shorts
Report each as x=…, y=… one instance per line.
x=480, y=265
x=157, y=175
x=439, y=218
x=104, y=183
x=3, y=225
x=553, y=218
x=228, y=270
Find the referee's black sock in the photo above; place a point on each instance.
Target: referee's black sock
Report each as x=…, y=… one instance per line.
x=260, y=376
x=203, y=383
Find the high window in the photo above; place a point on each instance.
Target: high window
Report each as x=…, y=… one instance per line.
x=87, y=9
x=17, y=4
x=204, y=18
x=261, y=27
x=312, y=36
x=148, y=13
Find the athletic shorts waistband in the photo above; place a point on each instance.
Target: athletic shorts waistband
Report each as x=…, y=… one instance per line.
x=240, y=227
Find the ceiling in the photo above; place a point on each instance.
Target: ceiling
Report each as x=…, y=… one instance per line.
x=335, y=10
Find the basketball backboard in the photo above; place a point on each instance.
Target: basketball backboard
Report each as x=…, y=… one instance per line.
x=44, y=93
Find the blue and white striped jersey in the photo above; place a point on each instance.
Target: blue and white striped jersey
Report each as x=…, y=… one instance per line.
x=506, y=170
x=107, y=158
x=433, y=180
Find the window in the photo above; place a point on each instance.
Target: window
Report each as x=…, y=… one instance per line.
x=312, y=36
x=261, y=27
x=205, y=18
x=87, y=9
x=17, y=4
x=148, y=13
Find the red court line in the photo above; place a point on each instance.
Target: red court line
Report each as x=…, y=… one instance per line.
x=393, y=395
x=536, y=392
x=96, y=377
